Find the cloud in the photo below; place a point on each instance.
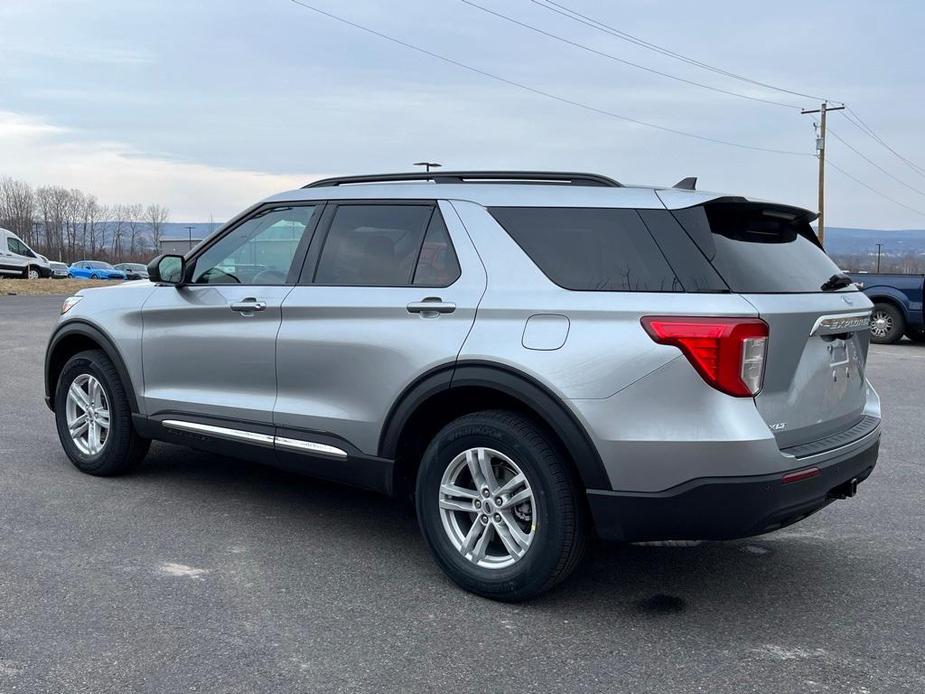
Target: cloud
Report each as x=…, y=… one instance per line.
x=43, y=153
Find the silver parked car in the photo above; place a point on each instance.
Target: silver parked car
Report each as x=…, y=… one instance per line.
x=532, y=357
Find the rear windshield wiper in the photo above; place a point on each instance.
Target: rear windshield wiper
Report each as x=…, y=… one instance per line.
x=838, y=281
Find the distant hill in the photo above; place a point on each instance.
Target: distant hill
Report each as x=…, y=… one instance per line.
x=178, y=230
x=845, y=241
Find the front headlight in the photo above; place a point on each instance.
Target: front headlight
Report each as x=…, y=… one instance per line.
x=70, y=303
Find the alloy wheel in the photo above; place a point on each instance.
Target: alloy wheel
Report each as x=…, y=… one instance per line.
x=87, y=414
x=487, y=508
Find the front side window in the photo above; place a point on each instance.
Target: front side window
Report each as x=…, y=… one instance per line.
x=373, y=245
x=258, y=251
x=18, y=247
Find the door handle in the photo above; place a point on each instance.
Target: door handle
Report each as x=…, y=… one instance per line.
x=431, y=306
x=248, y=305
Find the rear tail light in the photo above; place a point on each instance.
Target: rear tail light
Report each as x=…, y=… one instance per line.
x=729, y=353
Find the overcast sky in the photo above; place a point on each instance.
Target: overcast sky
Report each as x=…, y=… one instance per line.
x=208, y=106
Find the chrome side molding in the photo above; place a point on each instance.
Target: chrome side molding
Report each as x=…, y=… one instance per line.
x=253, y=437
x=310, y=447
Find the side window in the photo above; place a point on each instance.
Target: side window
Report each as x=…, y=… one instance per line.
x=373, y=245
x=590, y=249
x=437, y=264
x=258, y=251
x=18, y=247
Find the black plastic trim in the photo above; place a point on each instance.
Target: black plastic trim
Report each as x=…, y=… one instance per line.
x=356, y=469
x=725, y=508
x=78, y=326
x=511, y=382
x=865, y=426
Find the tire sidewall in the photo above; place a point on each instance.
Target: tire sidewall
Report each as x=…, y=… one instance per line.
x=118, y=417
x=540, y=561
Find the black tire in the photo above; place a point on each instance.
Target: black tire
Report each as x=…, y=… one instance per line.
x=559, y=519
x=123, y=449
x=29, y=270
x=94, y=276
x=916, y=335
x=893, y=325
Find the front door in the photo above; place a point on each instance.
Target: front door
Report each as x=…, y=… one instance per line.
x=209, y=345
x=389, y=291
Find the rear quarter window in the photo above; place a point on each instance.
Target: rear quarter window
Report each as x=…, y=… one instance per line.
x=590, y=249
x=759, y=249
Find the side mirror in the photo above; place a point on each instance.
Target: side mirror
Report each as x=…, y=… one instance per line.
x=167, y=269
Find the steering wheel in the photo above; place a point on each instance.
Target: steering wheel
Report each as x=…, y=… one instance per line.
x=212, y=274
x=269, y=277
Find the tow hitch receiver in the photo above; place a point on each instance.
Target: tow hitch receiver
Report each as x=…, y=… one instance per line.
x=845, y=490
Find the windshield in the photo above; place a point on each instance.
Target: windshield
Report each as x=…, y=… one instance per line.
x=99, y=265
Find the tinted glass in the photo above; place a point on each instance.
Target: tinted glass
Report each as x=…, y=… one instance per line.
x=98, y=265
x=259, y=251
x=590, y=248
x=690, y=265
x=437, y=265
x=759, y=249
x=373, y=245
x=17, y=246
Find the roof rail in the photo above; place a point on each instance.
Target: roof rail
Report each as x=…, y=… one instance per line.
x=516, y=177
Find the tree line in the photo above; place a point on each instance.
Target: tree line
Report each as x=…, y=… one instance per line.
x=69, y=224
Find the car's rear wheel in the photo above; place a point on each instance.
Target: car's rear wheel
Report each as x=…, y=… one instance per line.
x=94, y=418
x=498, y=506
x=886, y=324
x=94, y=276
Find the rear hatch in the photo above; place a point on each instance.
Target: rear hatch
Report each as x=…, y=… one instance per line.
x=814, y=383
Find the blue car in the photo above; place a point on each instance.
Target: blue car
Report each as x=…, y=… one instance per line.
x=95, y=270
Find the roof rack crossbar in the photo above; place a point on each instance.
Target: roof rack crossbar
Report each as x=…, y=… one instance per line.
x=515, y=177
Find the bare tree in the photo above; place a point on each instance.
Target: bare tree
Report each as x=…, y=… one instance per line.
x=156, y=216
x=18, y=208
x=133, y=220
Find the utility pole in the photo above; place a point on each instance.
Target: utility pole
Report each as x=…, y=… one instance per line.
x=879, y=248
x=428, y=164
x=189, y=231
x=820, y=153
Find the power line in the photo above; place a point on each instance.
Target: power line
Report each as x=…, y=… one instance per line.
x=610, y=56
x=576, y=16
x=873, y=190
x=873, y=163
x=856, y=121
x=541, y=92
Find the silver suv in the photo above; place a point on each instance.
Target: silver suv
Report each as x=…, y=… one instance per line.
x=532, y=357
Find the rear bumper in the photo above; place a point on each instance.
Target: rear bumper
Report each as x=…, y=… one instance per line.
x=724, y=508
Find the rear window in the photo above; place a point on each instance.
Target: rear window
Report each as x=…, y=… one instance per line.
x=593, y=249
x=759, y=249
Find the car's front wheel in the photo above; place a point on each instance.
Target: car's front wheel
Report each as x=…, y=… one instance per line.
x=498, y=506
x=94, y=418
x=31, y=273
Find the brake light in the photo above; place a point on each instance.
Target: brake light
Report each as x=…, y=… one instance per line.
x=729, y=353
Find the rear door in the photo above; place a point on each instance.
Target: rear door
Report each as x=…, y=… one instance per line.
x=388, y=292
x=209, y=346
x=814, y=383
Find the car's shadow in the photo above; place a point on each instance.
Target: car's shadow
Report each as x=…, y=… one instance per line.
x=649, y=581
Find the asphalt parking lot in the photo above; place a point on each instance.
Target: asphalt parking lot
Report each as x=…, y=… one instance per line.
x=201, y=573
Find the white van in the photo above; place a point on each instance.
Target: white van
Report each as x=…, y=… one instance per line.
x=18, y=260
